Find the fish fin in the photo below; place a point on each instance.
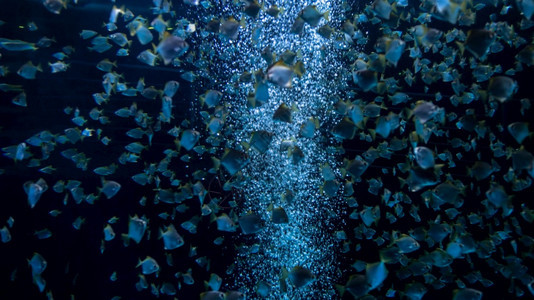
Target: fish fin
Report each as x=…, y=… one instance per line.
x=299, y=68
x=402, y=182
x=461, y=46
x=373, y=133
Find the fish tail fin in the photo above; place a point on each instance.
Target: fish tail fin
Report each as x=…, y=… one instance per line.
x=326, y=15
x=373, y=133
x=402, y=182
x=245, y=145
x=461, y=46
x=299, y=69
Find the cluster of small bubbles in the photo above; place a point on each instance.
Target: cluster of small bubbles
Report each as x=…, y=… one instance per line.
x=307, y=240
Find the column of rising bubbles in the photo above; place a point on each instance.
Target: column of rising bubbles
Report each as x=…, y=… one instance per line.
x=272, y=179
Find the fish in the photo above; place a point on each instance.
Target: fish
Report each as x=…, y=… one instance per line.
x=283, y=114
x=17, y=45
x=233, y=160
x=366, y=79
x=87, y=34
x=526, y=55
x=252, y=8
x=106, y=65
x=212, y=295
x=375, y=274
x=479, y=41
x=58, y=67
x=325, y=31
x=309, y=127
x=29, y=70
x=448, y=11
x=43, y=234
x=250, y=223
x=189, y=139
x=5, y=235
x=136, y=228
x=481, y=170
x=148, y=265
x=148, y=57
x=467, y=293
x=356, y=285
x=382, y=9
x=298, y=26
x=122, y=52
x=279, y=216
x=502, y=88
x=280, y=74
x=300, y=276
x=394, y=51
x=110, y=188
x=230, y=28
x=171, y=87
x=55, y=6
x=425, y=111
x=37, y=264
x=171, y=238
x=224, y=223
x=159, y=25
x=424, y=157
x=406, y=244
x=109, y=233
x=20, y=99
x=519, y=131
x=34, y=191
x=171, y=47
x=260, y=140
x=211, y=98
x=312, y=16
x=273, y=11
x=143, y=34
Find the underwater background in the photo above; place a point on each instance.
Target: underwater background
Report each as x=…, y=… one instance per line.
x=277, y=149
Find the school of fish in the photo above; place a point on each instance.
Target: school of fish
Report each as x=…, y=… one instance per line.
x=297, y=150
